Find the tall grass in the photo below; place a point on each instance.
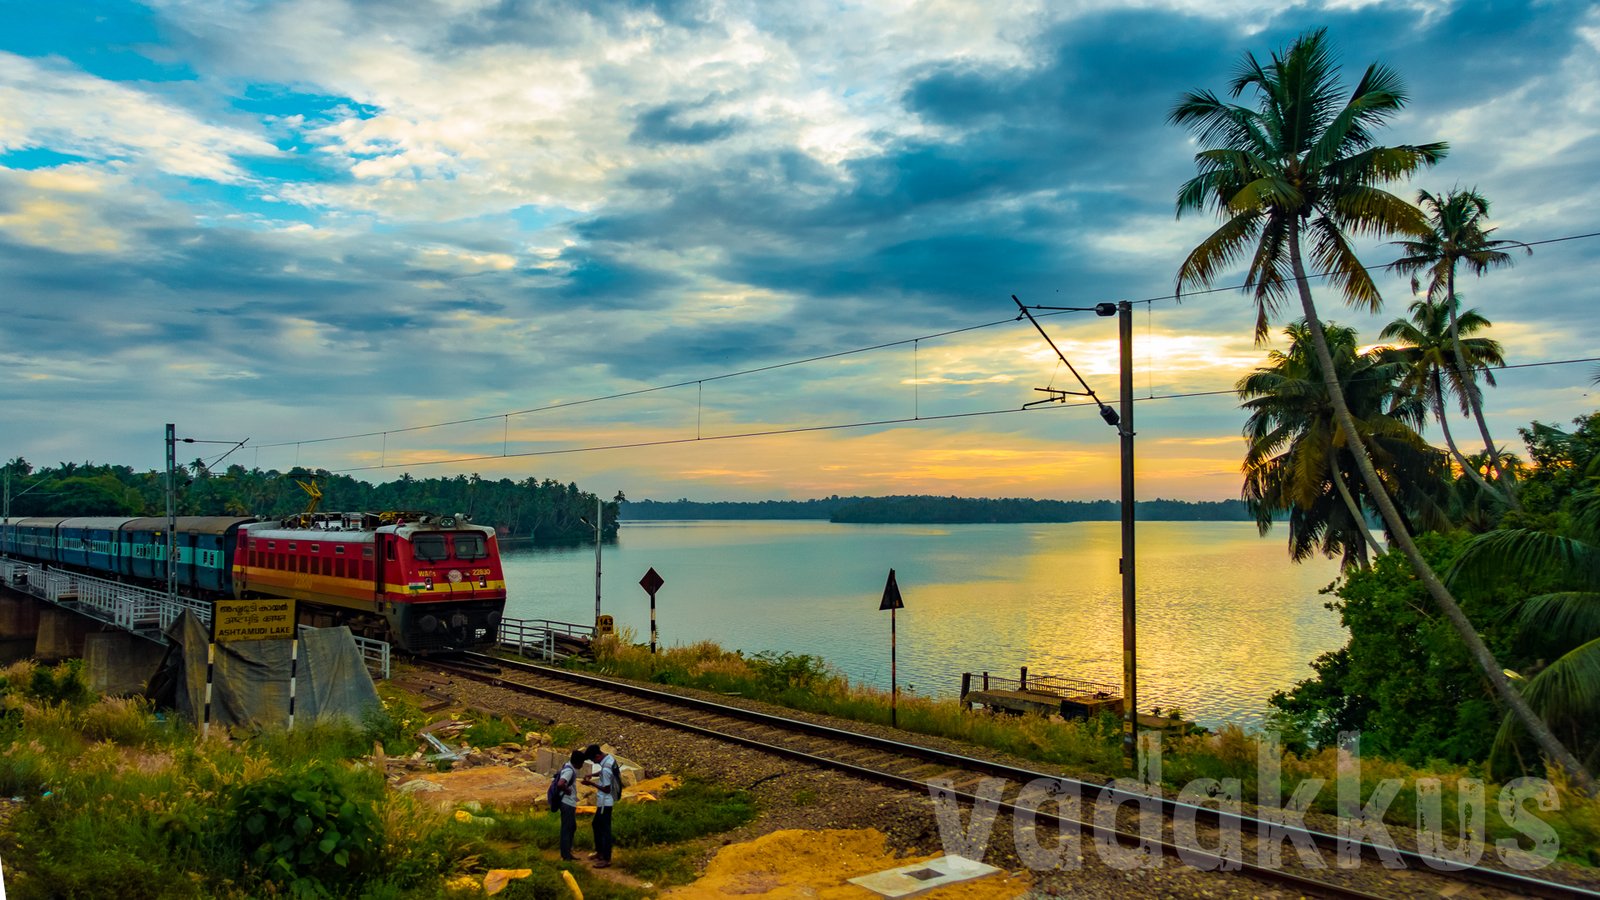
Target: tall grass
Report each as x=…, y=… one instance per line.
x=120, y=802
x=804, y=682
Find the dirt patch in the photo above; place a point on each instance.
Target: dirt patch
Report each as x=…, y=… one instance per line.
x=506, y=787
x=807, y=865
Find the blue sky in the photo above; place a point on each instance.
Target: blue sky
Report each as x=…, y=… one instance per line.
x=301, y=220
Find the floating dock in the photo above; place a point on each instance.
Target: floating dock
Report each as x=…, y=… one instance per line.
x=1069, y=698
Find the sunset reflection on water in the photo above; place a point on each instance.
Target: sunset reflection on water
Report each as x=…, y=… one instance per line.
x=1224, y=617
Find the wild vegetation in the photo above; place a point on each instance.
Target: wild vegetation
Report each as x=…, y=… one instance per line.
x=118, y=801
x=925, y=509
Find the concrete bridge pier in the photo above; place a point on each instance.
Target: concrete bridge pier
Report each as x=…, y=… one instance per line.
x=61, y=634
x=19, y=625
x=119, y=664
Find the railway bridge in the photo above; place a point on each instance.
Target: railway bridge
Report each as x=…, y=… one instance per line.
x=119, y=629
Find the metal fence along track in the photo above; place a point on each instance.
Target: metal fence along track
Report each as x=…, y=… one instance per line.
x=137, y=610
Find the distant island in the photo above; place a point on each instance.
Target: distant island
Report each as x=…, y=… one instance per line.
x=921, y=509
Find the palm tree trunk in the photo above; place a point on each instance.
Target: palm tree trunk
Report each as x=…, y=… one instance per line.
x=1551, y=745
x=1473, y=399
x=1471, y=470
x=1355, y=508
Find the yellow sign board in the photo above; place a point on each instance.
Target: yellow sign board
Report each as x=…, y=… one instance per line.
x=262, y=619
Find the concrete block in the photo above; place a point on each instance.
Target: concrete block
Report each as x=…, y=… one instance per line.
x=61, y=634
x=120, y=664
x=15, y=649
x=19, y=617
x=546, y=761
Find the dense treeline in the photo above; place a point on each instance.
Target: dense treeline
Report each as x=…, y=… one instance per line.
x=544, y=512
x=941, y=510
x=922, y=509
x=821, y=508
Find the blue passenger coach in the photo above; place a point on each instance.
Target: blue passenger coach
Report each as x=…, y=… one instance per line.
x=131, y=548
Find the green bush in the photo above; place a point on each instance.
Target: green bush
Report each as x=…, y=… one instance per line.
x=61, y=684
x=780, y=672
x=308, y=827
x=393, y=724
x=564, y=735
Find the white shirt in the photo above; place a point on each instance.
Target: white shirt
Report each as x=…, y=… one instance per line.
x=608, y=772
x=569, y=794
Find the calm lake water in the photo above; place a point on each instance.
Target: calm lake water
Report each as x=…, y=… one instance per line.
x=1224, y=617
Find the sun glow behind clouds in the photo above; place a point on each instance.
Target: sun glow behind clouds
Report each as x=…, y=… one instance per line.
x=430, y=211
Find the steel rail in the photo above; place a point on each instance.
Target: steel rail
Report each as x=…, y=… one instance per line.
x=1264, y=829
x=1212, y=860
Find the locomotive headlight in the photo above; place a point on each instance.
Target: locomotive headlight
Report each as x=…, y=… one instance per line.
x=428, y=581
x=483, y=581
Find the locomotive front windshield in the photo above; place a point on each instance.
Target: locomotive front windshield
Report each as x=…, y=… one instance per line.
x=429, y=547
x=471, y=546
x=434, y=548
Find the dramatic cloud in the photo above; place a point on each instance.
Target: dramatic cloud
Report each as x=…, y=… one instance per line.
x=311, y=218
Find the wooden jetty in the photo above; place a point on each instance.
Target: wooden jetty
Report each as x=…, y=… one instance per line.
x=1069, y=698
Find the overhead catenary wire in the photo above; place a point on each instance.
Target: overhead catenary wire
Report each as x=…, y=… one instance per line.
x=844, y=426
x=1176, y=297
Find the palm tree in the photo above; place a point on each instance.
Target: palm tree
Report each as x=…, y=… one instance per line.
x=1303, y=163
x=1299, y=460
x=1567, y=692
x=1456, y=236
x=1429, y=344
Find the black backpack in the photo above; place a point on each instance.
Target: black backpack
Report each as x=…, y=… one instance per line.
x=554, y=793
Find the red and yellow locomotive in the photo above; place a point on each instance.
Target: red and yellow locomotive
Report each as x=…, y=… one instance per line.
x=421, y=581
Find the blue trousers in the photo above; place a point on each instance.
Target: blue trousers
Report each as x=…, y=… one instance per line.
x=569, y=828
x=602, y=832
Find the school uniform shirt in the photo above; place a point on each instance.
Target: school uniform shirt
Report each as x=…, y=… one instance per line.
x=608, y=773
x=569, y=794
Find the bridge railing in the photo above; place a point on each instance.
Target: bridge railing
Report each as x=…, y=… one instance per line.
x=546, y=639
x=138, y=610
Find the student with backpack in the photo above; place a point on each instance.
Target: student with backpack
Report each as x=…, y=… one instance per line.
x=610, y=788
x=563, y=797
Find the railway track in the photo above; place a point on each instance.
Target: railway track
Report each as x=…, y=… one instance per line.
x=972, y=782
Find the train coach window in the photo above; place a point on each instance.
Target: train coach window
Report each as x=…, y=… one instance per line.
x=339, y=549
x=470, y=546
x=429, y=547
x=366, y=552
